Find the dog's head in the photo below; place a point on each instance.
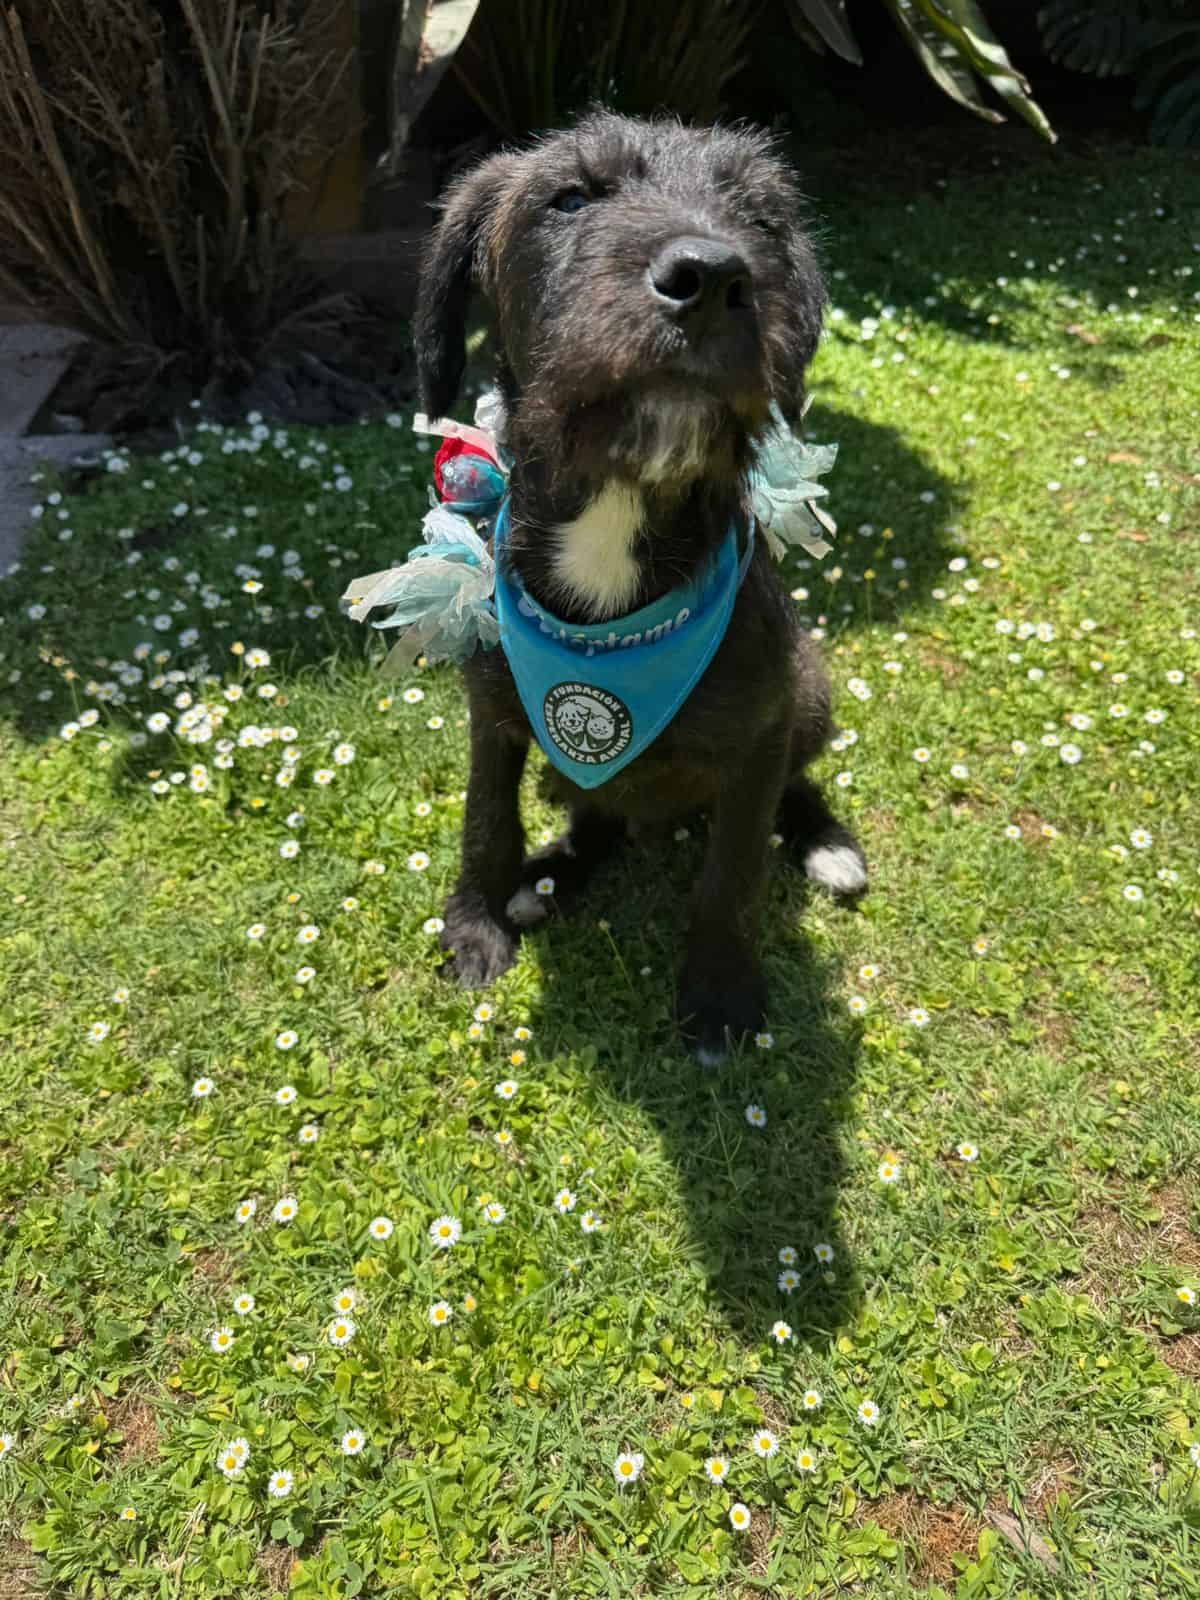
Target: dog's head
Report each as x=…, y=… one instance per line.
x=654, y=291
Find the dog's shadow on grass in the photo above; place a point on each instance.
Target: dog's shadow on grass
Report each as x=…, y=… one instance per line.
x=746, y=1192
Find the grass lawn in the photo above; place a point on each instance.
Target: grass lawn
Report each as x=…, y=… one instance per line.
x=946, y=1289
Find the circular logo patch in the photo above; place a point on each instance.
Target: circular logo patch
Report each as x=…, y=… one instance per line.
x=588, y=724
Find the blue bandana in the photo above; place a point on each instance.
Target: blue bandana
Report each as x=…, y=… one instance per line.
x=598, y=695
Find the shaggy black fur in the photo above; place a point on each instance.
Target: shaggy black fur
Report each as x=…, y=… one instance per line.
x=654, y=291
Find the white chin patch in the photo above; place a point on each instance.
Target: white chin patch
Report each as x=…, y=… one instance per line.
x=837, y=868
x=675, y=437
x=526, y=907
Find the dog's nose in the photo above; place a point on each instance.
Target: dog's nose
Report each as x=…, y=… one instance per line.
x=700, y=279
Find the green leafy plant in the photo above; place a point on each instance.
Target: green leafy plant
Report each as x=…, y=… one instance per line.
x=527, y=66
x=953, y=42
x=150, y=151
x=1157, y=42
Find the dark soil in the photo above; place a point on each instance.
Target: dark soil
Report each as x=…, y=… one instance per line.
x=350, y=363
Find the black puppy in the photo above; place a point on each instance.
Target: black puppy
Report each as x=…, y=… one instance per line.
x=654, y=292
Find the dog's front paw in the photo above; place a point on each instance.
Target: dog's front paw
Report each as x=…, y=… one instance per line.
x=481, y=948
x=717, y=1007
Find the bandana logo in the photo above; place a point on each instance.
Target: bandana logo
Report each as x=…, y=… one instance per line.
x=586, y=723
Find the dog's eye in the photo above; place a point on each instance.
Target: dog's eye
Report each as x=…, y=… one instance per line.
x=570, y=201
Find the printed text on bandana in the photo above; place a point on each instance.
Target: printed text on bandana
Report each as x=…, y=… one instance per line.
x=588, y=724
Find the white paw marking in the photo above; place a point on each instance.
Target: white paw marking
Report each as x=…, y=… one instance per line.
x=709, y=1058
x=526, y=907
x=594, y=564
x=837, y=868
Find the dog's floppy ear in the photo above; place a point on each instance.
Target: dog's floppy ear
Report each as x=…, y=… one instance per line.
x=453, y=259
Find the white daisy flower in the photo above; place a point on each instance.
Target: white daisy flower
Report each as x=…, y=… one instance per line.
x=285, y=1210
x=381, y=1228
x=340, y=1331
x=1132, y=893
x=781, y=1332
x=739, y=1517
x=806, y=1462
x=764, y=1444
x=506, y=1089
x=309, y=1133
x=627, y=1468
x=417, y=862
x=823, y=1253
x=868, y=1413
x=245, y=1211
x=202, y=1088
x=788, y=1256
x=966, y=1151
x=305, y=974
x=221, y=1340
x=889, y=1172
x=345, y=1300
x=918, y=1016
x=716, y=1469
x=244, y=1304
x=788, y=1280
x=432, y=925
x=439, y=1314
x=494, y=1212
x=98, y=1031
x=589, y=1222
x=755, y=1116
x=564, y=1201
x=445, y=1232
x=286, y=1039
x=279, y=1485
x=308, y=934
x=811, y=1400
x=343, y=755
x=285, y=1094
x=352, y=1442
x=764, y=1041
x=1141, y=839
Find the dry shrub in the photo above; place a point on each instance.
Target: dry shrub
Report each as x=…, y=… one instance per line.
x=150, y=148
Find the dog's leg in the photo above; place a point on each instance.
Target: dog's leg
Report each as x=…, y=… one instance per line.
x=722, y=991
x=569, y=861
x=477, y=928
x=831, y=856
